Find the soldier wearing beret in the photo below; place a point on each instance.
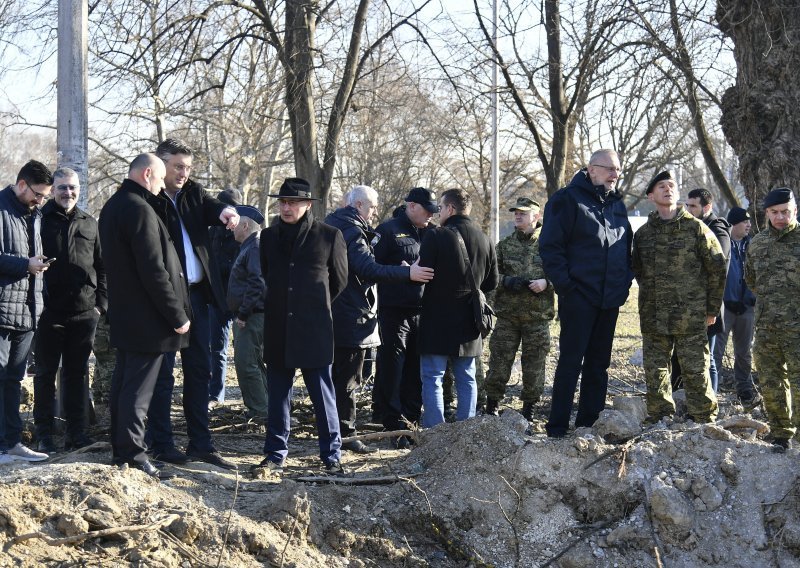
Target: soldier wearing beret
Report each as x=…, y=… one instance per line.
x=773, y=273
x=680, y=268
x=246, y=302
x=524, y=308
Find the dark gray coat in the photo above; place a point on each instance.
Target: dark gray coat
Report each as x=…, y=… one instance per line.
x=302, y=281
x=246, y=286
x=355, y=310
x=447, y=322
x=19, y=310
x=147, y=294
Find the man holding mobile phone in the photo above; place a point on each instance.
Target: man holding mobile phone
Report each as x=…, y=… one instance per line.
x=75, y=299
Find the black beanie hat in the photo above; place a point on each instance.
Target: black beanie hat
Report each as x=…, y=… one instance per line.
x=665, y=175
x=737, y=215
x=778, y=196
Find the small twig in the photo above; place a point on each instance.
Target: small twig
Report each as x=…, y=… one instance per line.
x=182, y=548
x=289, y=539
x=591, y=529
x=94, y=534
x=228, y=522
x=97, y=446
x=656, y=539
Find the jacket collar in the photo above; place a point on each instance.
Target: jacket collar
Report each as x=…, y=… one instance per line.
x=9, y=195
x=132, y=187
x=582, y=181
x=53, y=208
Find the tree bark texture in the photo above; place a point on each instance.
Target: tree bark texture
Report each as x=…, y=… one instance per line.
x=761, y=112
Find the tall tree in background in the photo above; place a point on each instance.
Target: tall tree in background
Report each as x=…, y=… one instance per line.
x=761, y=112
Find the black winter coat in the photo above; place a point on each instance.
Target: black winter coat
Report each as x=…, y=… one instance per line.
x=225, y=250
x=355, y=312
x=585, y=243
x=302, y=281
x=447, y=322
x=20, y=291
x=76, y=280
x=399, y=242
x=147, y=294
x=246, y=285
x=198, y=210
x=722, y=230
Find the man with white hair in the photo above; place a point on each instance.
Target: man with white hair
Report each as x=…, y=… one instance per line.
x=355, y=316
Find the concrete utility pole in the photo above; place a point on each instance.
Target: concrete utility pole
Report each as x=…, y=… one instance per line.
x=494, y=230
x=72, y=138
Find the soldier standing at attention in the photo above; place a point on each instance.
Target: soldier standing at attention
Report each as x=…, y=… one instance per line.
x=524, y=307
x=773, y=273
x=680, y=268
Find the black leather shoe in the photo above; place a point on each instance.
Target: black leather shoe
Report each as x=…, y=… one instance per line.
x=153, y=471
x=358, y=447
x=46, y=445
x=213, y=457
x=334, y=468
x=172, y=455
x=77, y=442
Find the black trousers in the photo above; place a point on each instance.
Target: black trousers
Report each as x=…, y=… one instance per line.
x=64, y=337
x=587, y=335
x=347, y=364
x=398, y=386
x=131, y=391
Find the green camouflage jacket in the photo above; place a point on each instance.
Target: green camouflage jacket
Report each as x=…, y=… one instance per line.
x=681, y=272
x=772, y=272
x=518, y=255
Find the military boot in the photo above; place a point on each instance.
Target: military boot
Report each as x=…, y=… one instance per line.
x=527, y=411
x=491, y=407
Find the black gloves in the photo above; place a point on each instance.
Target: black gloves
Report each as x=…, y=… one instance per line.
x=515, y=283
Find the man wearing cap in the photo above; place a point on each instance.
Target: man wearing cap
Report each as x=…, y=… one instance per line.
x=680, y=268
x=355, y=318
x=188, y=210
x=700, y=203
x=398, y=389
x=772, y=271
x=447, y=327
x=225, y=249
x=524, y=306
x=304, y=265
x=246, y=301
x=585, y=246
x=738, y=313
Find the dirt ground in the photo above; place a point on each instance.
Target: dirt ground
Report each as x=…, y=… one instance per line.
x=491, y=491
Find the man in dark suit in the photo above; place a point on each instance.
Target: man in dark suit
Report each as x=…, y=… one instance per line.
x=304, y=264
x=447, y=327
x=148, y=305
x=187, y=210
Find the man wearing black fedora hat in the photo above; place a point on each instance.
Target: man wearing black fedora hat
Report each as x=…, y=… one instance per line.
x=304, y=265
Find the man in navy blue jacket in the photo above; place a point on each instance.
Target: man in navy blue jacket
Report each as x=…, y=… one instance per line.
x=585, y=246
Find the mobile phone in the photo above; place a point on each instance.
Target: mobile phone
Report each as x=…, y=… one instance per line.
x=50, y=260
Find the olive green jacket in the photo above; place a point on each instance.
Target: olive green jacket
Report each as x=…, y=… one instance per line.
x=518, y=255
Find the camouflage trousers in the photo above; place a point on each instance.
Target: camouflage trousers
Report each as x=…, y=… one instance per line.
x=105, y=359
x=777, y=358
x=693, y=357
x=480, y=378
x=506, y=338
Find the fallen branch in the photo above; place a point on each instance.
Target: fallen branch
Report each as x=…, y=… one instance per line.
x=96, y=447
x=168, y=520
x=381, y=435
x=228, y=521
x=591, y=529
x=380, y=480
x=744, y=422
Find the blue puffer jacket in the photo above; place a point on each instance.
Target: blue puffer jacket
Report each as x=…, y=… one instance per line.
x=585, y=243
x=19, y=309
x=355, y=313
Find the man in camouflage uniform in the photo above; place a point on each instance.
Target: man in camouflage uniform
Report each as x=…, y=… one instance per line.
x=524, y=307
x=773, y=273
x=680, y=268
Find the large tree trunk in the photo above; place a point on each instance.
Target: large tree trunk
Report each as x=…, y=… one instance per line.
x=761, y=112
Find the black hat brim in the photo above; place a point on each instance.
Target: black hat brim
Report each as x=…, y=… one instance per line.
x=294, y=197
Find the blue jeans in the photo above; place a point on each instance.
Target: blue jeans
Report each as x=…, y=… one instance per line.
x=319, y=383
x=220, y=323
x=14, y=349
x=432, y=368
x=196, y=362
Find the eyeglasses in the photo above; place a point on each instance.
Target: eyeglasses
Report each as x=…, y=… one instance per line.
x=37, y=194
x=609, y=169
x=67, y=187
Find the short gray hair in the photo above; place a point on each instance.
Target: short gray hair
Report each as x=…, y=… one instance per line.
x=362, y=193
x=64, y=173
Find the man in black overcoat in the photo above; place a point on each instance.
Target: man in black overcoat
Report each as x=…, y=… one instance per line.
x=447, y=327
x=148, y=305
x=187, y=210
x=304, y=264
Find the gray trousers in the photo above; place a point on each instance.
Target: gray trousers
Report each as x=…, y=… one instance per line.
x=248, y=356
x=742, y=328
